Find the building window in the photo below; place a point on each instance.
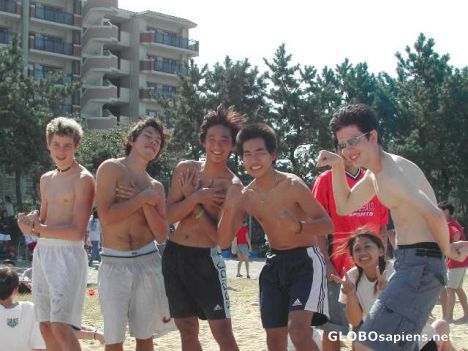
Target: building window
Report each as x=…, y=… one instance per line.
x=53, y=14
x=3, y=35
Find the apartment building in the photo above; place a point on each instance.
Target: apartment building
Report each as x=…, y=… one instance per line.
x=129, y=60
x=54, y=36
x=125, y=60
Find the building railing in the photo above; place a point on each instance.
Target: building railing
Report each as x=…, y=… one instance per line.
x=180, y=42
x=54, y=15
x=50, y=45
x=172, y=68
x=8, y=6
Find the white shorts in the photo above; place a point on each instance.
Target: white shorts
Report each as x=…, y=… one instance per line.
x=132, y=289
x=455, y=277
x=59, y=281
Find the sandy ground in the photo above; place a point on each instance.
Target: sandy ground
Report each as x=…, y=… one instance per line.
x=245, y=317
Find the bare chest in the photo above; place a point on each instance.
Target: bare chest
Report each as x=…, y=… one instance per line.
x=60, y=192
x=138, y=182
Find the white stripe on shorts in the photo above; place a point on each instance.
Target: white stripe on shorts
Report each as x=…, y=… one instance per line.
x=218, y=263
x=318, y=296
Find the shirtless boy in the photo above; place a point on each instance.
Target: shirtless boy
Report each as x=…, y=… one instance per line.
x=131, y=207
x=422, y=232
x=194, y=275
x=60, y=261
x=293, y=284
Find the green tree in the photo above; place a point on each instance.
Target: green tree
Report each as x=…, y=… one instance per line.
x=26, y=105
x=99, y=145
x=422, y=130
x=187, y=108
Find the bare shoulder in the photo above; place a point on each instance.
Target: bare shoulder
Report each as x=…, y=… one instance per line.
x=109, y=169
x=45, y=178
x=85, y=174
x=156, y=184
x=85, y=179
x=110, y=164
x=292, y=181
x=406, y=166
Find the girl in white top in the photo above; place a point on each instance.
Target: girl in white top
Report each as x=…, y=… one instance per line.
x=364, y=282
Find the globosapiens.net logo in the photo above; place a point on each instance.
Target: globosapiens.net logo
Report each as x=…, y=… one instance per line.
x=390, y=338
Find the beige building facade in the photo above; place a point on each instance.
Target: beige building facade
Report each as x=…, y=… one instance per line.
x=125, y=60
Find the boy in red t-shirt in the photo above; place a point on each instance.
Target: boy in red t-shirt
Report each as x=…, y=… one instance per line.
x=243, y=247
x=456, y=270
x=372, y=215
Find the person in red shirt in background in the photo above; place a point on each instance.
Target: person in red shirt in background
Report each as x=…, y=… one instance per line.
x=373, y=216
x=243, y=247
x=456, y=270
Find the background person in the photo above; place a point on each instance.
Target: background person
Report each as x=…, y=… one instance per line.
x=244, y=246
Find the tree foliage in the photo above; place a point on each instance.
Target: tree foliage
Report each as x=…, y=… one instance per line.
x=26, y=105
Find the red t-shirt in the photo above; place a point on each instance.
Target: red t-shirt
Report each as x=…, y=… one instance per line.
x=455, y=227
x=241, y=235
x=373, y=215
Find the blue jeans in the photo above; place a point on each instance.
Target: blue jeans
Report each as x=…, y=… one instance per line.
x=95, y=255
x=404, y=306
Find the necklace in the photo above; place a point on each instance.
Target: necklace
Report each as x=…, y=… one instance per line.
x=65, y=169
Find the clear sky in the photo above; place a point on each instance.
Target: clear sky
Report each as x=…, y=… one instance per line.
x=317, y=32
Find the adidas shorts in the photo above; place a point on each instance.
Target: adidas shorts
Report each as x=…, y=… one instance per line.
x=196, y=282
x=293, y=280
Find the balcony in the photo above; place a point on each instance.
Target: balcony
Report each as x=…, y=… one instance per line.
x=101, y=122
x=102, y=4
x=105, y=95
x=109, y=65
x=164, y=67
x=102, y=33
x=170, y=40
x=153, y=93
x=57, y=47
x=54, y=15
x=8, y=6
x=106, y=35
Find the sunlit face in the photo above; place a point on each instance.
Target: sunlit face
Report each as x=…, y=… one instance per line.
x=366, y=253
x=62, y=150
x=218, y=144
x=355, y=144
x=147, y=144
x=257, y=160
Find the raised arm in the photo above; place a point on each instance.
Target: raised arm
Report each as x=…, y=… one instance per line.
x=111, y=211
x=347, y=200
x=231, y=216
x=25, y=221
x=84, y=197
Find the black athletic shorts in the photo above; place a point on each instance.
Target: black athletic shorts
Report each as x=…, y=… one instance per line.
x=293, y=280
x=196, y=282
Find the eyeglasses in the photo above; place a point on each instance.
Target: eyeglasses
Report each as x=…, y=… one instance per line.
x=351, y=141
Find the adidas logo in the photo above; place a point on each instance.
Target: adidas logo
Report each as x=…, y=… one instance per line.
x=217, y=308
x=297, y=303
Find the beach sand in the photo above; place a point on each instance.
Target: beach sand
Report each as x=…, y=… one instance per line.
x=246, y=322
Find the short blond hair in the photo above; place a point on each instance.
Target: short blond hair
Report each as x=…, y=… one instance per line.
x=64, y=127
